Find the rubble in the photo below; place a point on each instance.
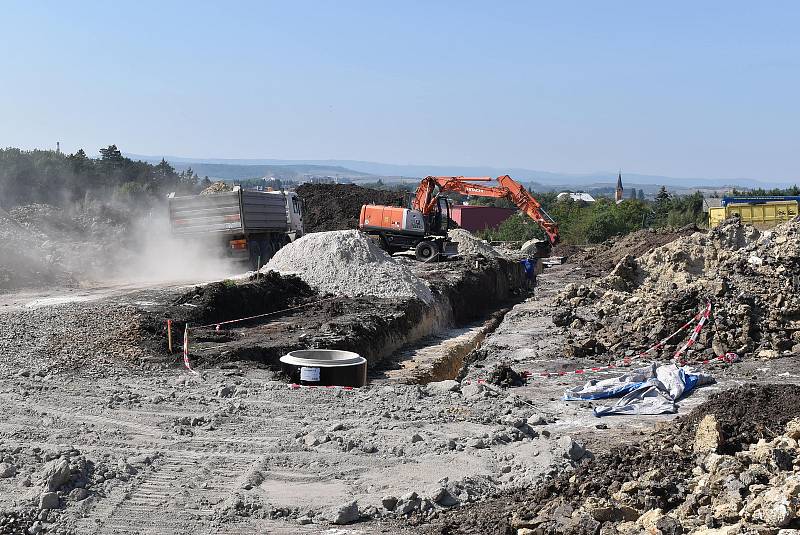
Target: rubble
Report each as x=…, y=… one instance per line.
x=647, y=298
x=348, y=263
x=599, y=259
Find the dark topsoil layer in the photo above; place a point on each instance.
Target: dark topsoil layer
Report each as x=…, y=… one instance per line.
x=337, y=206
x=746, y=414
x=364, y=325
x=601, y=259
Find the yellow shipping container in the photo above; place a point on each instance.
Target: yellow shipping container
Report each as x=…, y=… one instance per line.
x=764, y=215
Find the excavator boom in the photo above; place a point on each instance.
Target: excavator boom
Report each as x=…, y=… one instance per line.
x=426, y=197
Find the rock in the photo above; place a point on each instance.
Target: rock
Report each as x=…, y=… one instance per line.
x=7, y=470
x=312, y=440
x=776, y=506
x=768, y=354
x=536, y=419
x=793, y=428
x=345, y=514
x=416, y=437
x=442, y=496
x=48, y=500
x=708, y=437
x=389, y=502
x=440, y=387
x=477, y=443
x=649, y=519
x=573, y=450
x=472, y=391
x=225, y=391
x=79, y=494
x=55, y=474
x=668, y=525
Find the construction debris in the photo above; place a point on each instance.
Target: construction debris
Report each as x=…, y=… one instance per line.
x=749, y=277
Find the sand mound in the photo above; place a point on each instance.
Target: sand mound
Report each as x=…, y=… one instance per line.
x=348, y=263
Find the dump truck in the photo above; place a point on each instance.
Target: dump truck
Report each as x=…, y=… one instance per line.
x=243, y=225
x=761, y=212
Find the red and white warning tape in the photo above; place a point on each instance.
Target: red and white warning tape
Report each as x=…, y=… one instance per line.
x=702, y=316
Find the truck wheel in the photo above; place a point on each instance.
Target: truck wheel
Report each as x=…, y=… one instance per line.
x=255, y=254
x=426, y=250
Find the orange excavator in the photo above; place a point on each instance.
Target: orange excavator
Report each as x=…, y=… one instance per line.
x=424, y=226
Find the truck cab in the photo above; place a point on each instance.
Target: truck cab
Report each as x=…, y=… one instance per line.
x=294, y=211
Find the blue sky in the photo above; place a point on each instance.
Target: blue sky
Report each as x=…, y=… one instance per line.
x=688, y=89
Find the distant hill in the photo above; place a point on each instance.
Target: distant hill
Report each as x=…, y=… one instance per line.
x=542, y=179
x=240, y=171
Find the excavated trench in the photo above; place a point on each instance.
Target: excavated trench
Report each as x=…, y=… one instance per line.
x=470, y=297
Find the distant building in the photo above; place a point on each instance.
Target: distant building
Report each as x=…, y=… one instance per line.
x=577, y=197
x=475, y=218
x=619, y=191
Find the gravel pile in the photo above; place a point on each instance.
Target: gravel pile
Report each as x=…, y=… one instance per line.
x=348, y=263
x=470, y=245
x=54, y=339
x=750, y=276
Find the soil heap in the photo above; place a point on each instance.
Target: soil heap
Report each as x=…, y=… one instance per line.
x=348, y=263
x=749, y=276
x=601, y=259
x=337, y=206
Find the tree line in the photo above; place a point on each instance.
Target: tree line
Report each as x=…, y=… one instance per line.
x=584, y=223
x=52, y=177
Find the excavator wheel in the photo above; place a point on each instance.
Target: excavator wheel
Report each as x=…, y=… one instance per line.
x=426, y=251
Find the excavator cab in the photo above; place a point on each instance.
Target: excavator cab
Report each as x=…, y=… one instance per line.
x=439, y=222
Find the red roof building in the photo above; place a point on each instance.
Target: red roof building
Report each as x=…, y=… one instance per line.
x=474, y=218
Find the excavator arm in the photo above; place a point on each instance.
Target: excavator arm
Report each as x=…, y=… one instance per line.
x=425, y=199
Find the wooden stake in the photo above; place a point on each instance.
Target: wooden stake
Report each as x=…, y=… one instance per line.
x=169, y=335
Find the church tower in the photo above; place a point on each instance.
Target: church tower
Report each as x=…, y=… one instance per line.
x=618, y=192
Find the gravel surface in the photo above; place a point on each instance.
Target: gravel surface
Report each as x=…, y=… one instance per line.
x=348, y=263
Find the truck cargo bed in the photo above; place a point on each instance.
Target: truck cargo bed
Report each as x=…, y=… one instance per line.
x=228, y=212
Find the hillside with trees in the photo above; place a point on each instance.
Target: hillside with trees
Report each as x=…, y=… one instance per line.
x=51, y=177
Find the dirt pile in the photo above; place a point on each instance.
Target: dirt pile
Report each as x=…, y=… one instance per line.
x=227, y=300
x=348, y=263
x=217, y=187
x=601, y=259
x=749, y=276
x=337, y=206
x=471, y=245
